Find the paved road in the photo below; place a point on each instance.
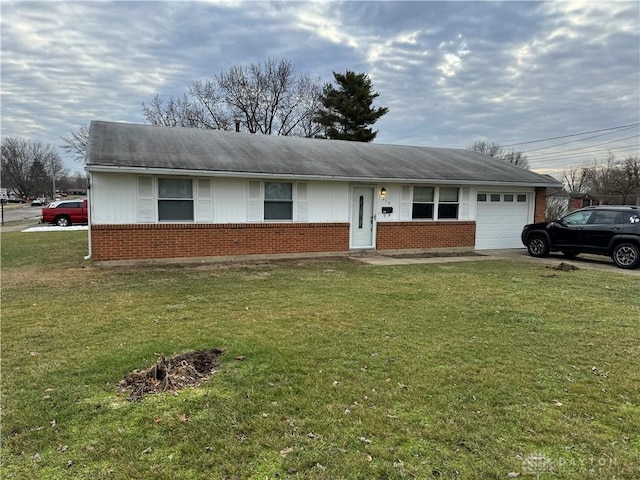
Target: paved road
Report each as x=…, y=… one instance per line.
x=14, y=212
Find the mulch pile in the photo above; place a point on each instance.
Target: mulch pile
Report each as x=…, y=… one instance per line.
x=173, y=374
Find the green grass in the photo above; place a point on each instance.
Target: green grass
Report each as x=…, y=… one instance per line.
x=467, y=370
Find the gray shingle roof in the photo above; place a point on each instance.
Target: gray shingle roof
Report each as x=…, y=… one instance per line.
x=129, y=146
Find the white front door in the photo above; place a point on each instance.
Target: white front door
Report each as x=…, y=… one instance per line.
x=362, y=221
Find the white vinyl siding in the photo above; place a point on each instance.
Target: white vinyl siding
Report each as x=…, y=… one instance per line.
x=405, y=202
x=146, y=202
x=204, y=212
x=254, y=201
x=328, y=202
x=302, y=203
x=230, y=200
x=114, y=199
x=464, y=211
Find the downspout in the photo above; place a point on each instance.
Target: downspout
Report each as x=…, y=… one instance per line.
x=89, y=203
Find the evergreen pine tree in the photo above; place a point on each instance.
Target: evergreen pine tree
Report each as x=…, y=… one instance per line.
x=348, y=110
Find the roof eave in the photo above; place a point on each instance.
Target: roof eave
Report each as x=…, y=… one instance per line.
x=290, y=176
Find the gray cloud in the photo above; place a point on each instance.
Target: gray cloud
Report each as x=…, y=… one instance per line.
x=450, y=72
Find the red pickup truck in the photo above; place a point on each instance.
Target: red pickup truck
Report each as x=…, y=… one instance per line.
x=66, y=212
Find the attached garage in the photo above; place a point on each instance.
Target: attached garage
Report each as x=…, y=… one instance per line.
x=500, y=217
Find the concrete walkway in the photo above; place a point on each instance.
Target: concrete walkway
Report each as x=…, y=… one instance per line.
x=589, y=262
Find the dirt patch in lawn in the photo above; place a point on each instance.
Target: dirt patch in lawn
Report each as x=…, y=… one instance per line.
x=565, y=267
x=171, y=374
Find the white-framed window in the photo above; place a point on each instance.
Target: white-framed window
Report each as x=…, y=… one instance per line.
x=278, y=201
x=435, y=203
x=175, y=199
x=448, y=203
x=496, y=197
x=423, y=200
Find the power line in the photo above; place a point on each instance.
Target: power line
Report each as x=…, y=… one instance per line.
x=588, y=156
x=562, y=168
x=540, y=155
x=581, y=140
x=618, y=150
x=574, y=135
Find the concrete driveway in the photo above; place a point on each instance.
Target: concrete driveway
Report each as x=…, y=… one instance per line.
x=589, y=262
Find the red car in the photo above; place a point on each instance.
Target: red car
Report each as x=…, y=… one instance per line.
x=66, y=212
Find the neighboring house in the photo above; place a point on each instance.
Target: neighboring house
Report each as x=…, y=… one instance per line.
x=581, y=200
x=177, y=193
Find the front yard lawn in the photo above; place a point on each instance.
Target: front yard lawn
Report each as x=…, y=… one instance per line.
x=332, y=369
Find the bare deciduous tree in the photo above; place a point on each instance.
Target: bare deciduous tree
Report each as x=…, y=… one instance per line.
x=30, y=167
x=575, y=180
x=627, y=180
x=610, y=182
x=174, y=112
x=557, y=205
x=514, y=157
x=491, y=149
x=268, y=98
x=76, y=143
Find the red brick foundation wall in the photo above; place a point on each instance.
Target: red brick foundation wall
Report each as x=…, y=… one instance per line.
x=407, y=235
x=151, y=241
x=540, y=211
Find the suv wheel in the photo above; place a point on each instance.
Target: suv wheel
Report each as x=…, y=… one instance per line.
x=63, y=221
x=626, y=255
x=537, y=246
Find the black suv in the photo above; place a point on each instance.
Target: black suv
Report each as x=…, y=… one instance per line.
x=604, y=230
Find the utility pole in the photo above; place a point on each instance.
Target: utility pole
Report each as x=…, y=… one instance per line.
x=3, y=198
x=53, y=181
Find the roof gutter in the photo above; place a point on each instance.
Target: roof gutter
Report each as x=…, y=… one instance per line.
x=291, y=176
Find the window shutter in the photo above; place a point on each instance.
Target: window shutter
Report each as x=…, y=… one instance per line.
x=302, y=204
x=254, y=201
x=464, y=211
x=146, y=202
x=405, y=202
x=205, y=201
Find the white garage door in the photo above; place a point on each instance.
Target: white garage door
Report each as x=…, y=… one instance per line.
x=500, y=218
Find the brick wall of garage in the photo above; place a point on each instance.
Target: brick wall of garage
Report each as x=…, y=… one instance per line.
x=415, y=235
x=540, y=210
x=158, y=241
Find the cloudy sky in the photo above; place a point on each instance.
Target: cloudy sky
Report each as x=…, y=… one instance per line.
x=558, y=80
